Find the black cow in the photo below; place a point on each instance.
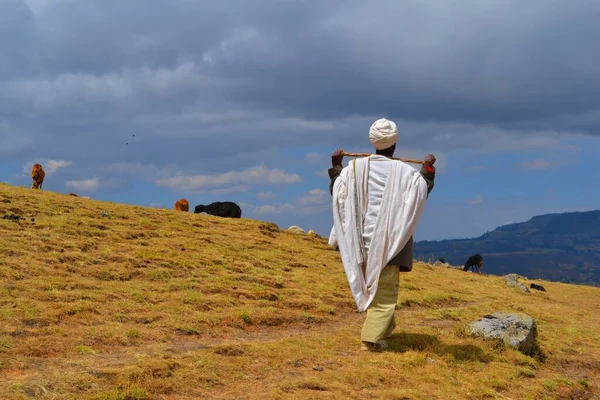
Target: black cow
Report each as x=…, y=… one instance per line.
x=227, y=209
x=475, y=261
x=537, y=287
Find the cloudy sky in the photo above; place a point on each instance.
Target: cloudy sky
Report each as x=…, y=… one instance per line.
x=147, y=101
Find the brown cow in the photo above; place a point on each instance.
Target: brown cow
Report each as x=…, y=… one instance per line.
x=37, y=174
x=73, y=194
x=182, y=205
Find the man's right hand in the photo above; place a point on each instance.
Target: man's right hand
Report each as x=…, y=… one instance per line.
x=337, y=157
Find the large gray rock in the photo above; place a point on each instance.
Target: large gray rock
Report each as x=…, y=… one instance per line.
x=516, y=330
x=512, y=280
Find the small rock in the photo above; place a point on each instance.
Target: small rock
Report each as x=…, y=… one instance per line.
x=6, y=201
x=516, y=330
x=105, y=214
x=442, y=264
x=318, y=368
x=295, y=229
x=311, y=232
x=430, y=360
x=514, y=276
x=512, y=281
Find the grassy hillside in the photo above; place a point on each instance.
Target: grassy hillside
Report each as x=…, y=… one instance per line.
x=106, y=301
x=558, y=247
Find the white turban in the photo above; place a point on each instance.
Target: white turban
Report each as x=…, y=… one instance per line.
x=383, y=134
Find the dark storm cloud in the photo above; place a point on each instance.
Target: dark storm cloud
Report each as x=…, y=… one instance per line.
x=495, y=62
x=201, y=82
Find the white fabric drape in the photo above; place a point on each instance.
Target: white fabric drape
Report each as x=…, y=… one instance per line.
x=402, y=204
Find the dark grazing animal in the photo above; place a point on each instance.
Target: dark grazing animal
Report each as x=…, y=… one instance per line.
x=537, y=287
x=475, y=262
x=226, y=209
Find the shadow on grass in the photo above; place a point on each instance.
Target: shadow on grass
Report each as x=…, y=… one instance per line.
x=538, y=354
x=406, y=341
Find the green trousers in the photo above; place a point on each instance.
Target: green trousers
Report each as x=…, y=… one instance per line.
x=380, y=314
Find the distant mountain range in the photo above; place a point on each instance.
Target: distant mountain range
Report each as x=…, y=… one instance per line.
x=556, y=247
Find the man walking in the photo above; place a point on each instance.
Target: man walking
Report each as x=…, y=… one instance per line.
x=377, y=203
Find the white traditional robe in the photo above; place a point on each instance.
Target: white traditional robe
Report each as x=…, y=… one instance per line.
x=374, y=198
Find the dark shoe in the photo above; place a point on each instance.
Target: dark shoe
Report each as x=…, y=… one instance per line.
x=378, y=346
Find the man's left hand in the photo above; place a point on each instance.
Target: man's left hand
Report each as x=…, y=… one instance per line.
x=428, y=163
x=429, y=160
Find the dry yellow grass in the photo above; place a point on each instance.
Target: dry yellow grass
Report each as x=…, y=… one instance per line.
x=107, y=301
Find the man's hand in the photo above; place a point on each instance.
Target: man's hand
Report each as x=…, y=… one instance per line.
x=337, y=157
x=428, y=163
x=429, y=160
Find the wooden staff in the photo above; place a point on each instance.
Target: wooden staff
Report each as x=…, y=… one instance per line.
x=408, y=160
